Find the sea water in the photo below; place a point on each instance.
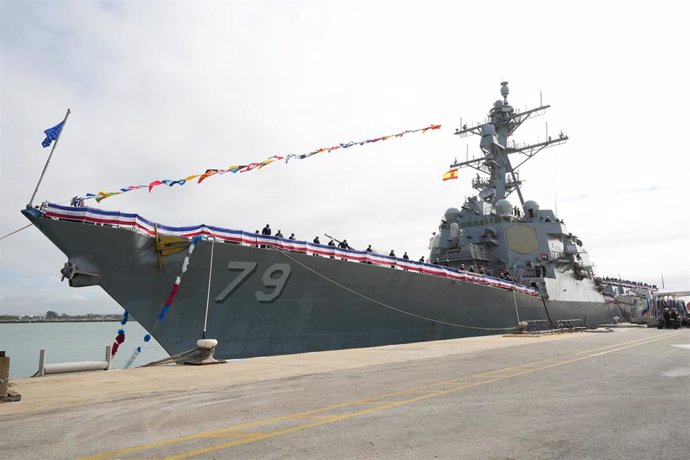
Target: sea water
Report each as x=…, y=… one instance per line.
x=67, y=342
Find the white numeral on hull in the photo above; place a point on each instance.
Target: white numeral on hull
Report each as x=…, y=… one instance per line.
x=269, y=279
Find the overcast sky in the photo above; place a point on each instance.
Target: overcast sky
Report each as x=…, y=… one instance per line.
x=168, y=89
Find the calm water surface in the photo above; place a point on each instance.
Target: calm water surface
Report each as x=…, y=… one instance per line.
x=65, y=342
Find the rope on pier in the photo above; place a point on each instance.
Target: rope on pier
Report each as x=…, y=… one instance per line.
x=392, y=307
x=173, y=358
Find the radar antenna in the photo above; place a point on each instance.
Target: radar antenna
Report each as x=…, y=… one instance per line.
x=503, y=120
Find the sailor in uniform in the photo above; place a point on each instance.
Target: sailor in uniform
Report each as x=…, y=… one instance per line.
x=343, y=245
x=369, y=250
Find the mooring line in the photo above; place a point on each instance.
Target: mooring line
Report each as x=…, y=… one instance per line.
x=16, y=231
x=390, y=306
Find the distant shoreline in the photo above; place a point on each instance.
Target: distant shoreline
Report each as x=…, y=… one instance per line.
x=66, y=320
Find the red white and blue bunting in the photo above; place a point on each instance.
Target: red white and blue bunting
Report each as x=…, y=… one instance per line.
x=120, y=337
x=134, y=221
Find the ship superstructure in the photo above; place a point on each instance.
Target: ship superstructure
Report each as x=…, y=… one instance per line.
x=490, y=234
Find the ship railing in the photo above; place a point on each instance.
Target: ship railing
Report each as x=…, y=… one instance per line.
x=77, y=366
x=570, y=324
x=481, y=182
x=537, y=326
x=138, y=223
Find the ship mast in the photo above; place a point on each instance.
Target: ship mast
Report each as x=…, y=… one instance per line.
x=502, y=122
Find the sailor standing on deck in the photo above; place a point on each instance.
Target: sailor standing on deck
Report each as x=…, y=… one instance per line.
x=343, y=245
x=369, y=250
x=266, y=231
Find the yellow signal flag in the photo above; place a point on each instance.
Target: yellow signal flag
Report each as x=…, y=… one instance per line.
x=451, y=174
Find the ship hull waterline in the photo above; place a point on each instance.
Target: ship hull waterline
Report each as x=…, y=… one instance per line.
x=264, y=301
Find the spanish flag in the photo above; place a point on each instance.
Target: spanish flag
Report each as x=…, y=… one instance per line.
x=452, y=174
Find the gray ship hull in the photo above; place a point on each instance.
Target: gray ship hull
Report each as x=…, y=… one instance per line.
x=265, y=301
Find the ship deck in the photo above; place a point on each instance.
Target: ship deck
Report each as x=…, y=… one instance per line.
x=584, y=395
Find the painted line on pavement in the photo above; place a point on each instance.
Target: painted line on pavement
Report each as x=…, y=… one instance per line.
x=359, y=407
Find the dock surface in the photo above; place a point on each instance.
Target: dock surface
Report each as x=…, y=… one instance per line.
x=623, y=394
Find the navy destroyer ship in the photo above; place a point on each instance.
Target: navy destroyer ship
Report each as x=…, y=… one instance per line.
x=493, y=266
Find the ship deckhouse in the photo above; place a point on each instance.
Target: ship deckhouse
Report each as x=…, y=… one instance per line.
x=517, y=239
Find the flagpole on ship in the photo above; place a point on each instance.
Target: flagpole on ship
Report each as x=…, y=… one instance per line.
x=48, y=161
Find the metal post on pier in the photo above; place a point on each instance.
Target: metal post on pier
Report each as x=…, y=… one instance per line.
x=6, y=395
x=42, y=363
x=109, y=356
x=4, y=374
x=77, y=366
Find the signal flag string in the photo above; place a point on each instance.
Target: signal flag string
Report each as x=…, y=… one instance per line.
x=246, y=167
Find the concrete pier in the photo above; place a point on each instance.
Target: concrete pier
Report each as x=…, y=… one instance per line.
x=622, y=394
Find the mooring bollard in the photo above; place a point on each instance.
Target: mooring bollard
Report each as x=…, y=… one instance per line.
x=205, y=349
x=4, y=374
x=6, y=395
